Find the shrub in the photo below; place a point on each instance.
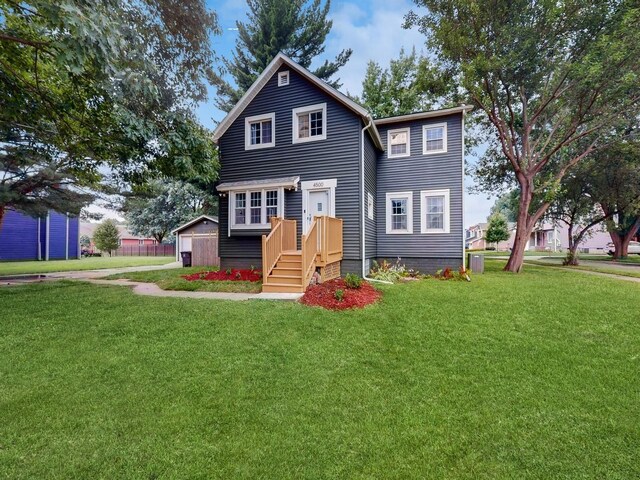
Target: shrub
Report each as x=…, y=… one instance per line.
x=388, y=272
x=228, y=271
x=339, y=294
x=239, y=276
x=449, y=274
x=351, y=280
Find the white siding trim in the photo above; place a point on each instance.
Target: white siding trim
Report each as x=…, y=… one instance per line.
x=399, y=155
x=309, y=109
x=247, y=131
x=424, y=138
x=424, y=194
x=247, y=209
x=396, y=195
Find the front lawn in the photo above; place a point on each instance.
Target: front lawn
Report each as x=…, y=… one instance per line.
x=171, y=279
x=90, y=263
x=626, y=270
x=508, y=376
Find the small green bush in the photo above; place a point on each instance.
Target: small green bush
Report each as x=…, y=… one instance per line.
x=351, y=280
x=339, y=295
x=228, y=271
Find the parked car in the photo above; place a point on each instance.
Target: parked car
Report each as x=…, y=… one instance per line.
x=634, y=248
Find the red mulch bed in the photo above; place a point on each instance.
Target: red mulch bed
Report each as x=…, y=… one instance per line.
x=323, y=295
x=235, y=275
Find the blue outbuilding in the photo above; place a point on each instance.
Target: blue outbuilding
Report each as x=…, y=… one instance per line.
x=52, y=237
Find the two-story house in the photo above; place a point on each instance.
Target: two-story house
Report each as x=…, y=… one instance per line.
x=310, y=182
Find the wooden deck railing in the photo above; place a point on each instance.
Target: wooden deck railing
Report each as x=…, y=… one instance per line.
x=281, y=238
x=330, y=235
x=309, y=252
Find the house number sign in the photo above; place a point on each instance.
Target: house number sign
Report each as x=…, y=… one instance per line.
x=318, y=184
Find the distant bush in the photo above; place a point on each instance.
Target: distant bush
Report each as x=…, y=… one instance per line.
x=339, y=295
x=351, y=280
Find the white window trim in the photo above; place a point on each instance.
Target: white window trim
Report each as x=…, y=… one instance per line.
x=370, y=201
x=397, y=195
x=247, y=206
x=399, y=155
x=247, y=131
x=424, y=194
x=424, y=138
x=309, y=109
x=281, y=76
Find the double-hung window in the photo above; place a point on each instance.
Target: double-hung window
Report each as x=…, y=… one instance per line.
x=399, y=211
x=260, y=131
x=254, y=208
x=434, y=211
x=398, y=143
x=434, y=138
x=310, y=123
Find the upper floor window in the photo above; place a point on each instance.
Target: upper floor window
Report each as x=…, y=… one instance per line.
x=434, y=138
x=140, y=242
x=283, y=78
x=400, y=212
x=434, y=208
x=260, y=131
x=398, y=143
x=309, y=123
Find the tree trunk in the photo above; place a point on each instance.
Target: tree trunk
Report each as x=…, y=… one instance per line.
x=621, y=242
x=523, y=229
x=572, y=257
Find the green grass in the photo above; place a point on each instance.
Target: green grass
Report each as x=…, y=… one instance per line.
x=510, y=376
x=588, y=268
x=90, y=263
x=493, y=253
x=631, y=259
x=171, y=279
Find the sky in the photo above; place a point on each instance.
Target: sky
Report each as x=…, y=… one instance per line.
x=373, y=30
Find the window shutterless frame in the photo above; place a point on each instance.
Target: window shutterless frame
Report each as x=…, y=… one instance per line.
x=434, y=135
x=309, y=123
x=438, y=208
x=394, y=142
x=400, y=206
x=249, y=143
x=251, y=209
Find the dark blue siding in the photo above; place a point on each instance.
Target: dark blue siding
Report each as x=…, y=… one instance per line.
x=74, y=227
x=423, y=172
x=370, y=186
x=18, y=237
x=336, y=157
x=57, y=235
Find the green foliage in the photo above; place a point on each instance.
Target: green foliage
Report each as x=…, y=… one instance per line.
x=91, y=86
x=165, y=205
x=397, y=90
x=507, y=205
x=106, y=236
x=388, y=272
x=547, y=79
x=498, y=230
x=339, y=294
x=351, y=280
x=85, y=241
x=449, y=274
x=298, y=28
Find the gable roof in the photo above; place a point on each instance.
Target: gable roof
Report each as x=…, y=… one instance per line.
x=195, y=220
x=423, y=115
x=261, y=81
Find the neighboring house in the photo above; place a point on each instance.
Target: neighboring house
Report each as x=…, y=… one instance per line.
x=310, y=182
x=474, y=237
x=191, y=233
x=52, y=237
x=554, y=237
x=127, y=239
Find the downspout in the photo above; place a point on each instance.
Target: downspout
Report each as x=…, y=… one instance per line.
x=66, y=243
x=39, y=243
x=46, y=240
x=364, y=206
x=464, y=255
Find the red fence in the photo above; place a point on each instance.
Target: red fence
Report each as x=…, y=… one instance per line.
x=145, y=251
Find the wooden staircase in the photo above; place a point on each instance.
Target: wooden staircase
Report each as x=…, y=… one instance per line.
x=286, y=276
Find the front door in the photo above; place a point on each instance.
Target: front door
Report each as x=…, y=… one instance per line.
x=318, y=199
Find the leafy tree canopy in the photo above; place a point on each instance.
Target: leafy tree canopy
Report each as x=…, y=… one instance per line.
x=507, y=205
x=164, y=206
x=543, y=76
x=89, y=87
x=298, y=28
x=498, y=229
x=106, y=236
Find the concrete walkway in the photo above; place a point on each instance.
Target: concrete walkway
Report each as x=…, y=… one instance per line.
x=142, y=288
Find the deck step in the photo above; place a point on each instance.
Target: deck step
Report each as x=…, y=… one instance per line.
x=285, y=279
x=291, y=257
x=281, y=288
x=278, y=270
x=289, y=264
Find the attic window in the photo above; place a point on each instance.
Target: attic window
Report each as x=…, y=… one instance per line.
x=283, y=78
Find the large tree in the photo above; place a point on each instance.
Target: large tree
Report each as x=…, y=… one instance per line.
x=164, y=206
x=543, y=76
x=401, y=88
x=298, y=28
x=94, y=86
x=498, y=229
x=106, y=236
